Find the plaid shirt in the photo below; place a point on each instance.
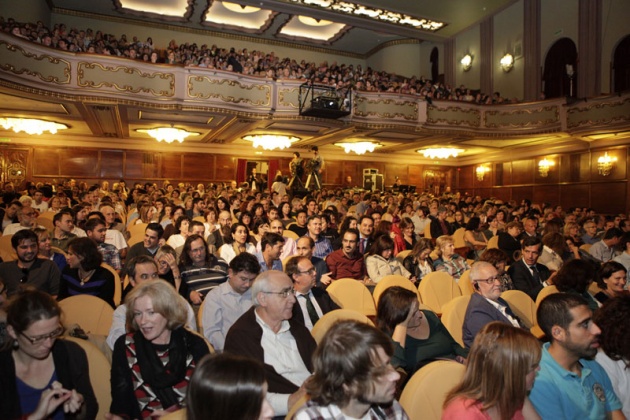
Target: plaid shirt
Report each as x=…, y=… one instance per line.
x=455, y=266
x=110, y=255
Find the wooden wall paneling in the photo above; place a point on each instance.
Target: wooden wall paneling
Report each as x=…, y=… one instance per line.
x=415, y=177
x=170, y=166
x=80, y=163
x=333, y=172
x=111, y=164
x=575, y=167
x=619, y=169
x=523, y=171
x=198, y=167
x=609, y=197
x=224, y=168
x=45, y=162
x=466, y=177
x=351, y=169
x=575, y=195
x=502, y=193
x=506, y=174
x=141, y=166
x=484, y=192
x=546, y=193
x=520, y=193
x=393, y=170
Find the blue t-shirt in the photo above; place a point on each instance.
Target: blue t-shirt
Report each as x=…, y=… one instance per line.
x=560, y=394
x=29, y=397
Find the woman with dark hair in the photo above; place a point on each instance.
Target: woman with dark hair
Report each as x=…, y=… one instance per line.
x=84, y=274
x=500, y=371
x=380, y=262
x=611, y=278
x=246, y=219
x=236, y=243
x=474, y=237
x=166, y=260
x=418, y=261
x=182, y=225
x=284, y=213
x=501, y=219
x=614, y=352
x=222, y=204
x=261, y=226
x=227, y=387
x=42, y=377
x=508, y=240
x=499, y=259
x=279, y=186
x=492, y=227
x=349, y=222
x=458, y=220
x=152, y=365
x=407, y=232
x=258, y=212
x=552, y=251
x=387, y=227
x=418, y=335
x=575, y=277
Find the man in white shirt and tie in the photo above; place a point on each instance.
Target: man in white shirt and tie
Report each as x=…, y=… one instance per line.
x=312, y=302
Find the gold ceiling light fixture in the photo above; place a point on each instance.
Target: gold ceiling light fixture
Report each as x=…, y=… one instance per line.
x=309, y=21
x=507, y=62
x=167, y=134
x=238, y=8
x=381, y=15
x=31, y=125
x=544, y=166
x=466, y=62
x=440, y=152
x=605, y=164
x=359, y=147
x=271, y=141
x=481, y=172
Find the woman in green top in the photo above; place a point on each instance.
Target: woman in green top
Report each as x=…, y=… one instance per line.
x=418, y=335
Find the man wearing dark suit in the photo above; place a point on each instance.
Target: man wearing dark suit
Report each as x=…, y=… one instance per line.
x=312, y=302
x=439, y=225
x=527, y=275
x=485, y=304
x=366, y=227
x=149, y=246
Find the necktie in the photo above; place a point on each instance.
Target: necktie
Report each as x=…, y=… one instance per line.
x=310, y=308
x=535, y=273
x=362, y=245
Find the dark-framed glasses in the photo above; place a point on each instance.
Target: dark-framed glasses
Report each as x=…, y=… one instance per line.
x=41, y=338
x=489, y=280
x=310, y=271
x=284, y=293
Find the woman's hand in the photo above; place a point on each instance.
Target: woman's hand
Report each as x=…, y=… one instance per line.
x=170, y=260
x=50, y=400
x=74, y=403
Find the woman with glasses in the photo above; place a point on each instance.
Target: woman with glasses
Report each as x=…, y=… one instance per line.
x=500, y=372
x=42, y=377
x=418, y=335
x=152, y=365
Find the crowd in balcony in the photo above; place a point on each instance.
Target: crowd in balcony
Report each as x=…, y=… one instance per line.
x=249, y=62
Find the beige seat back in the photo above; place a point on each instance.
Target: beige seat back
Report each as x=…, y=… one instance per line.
x=93, y=314
x=465, y=285
x=522, y=305
x=425, y=393
x=325, y=322
x=453, y=317
x=393, y=280
x=437, y=289
x=352, y=294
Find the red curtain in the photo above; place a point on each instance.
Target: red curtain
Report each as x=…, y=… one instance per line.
x=241, y=171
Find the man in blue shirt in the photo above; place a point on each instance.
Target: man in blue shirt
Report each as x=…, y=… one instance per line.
x=570, y=385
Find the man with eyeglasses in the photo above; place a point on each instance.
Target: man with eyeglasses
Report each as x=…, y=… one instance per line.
x=40, y=273
x=139, y=269
x=485, y=304
x=268, y=333
x=313, y=302
x=27, y=219
x=230, y=300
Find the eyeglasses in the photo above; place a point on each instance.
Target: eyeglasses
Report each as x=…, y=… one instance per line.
x=489, y=280
x=309, y=271
x=285, y=293
x=41, y=338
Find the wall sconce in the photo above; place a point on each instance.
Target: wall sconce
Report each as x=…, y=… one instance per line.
x=507, y=62
x=605, y=164
x=481, y=171
x=467, y=62
x=544, y=166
